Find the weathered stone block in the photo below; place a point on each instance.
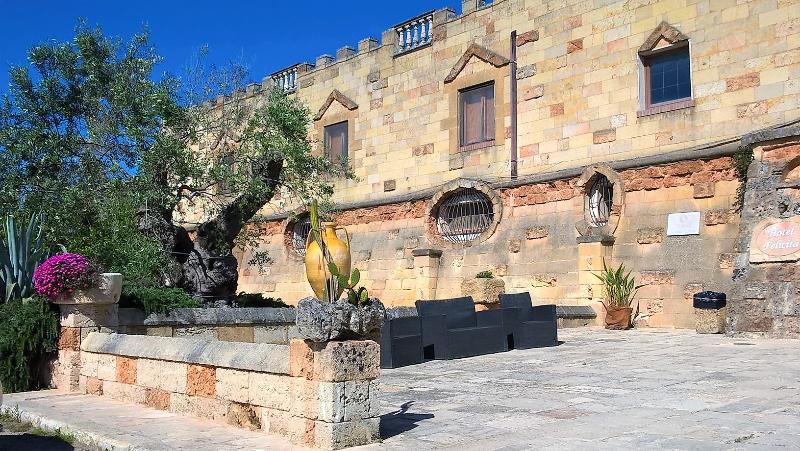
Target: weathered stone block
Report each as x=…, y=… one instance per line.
x=658, y=277
x=574, y=45
x=347, y=401
x=201, y=381
x=346, y=434
x=534, y=92
x=89, y=315
x=716, y=217
x=157, y=399
x=650, y=235
x=198, y=406
x=126, y=370
x=70, y=338
x=514, y=246
x=94, y=386
x=389, y=185
x=270, y=390
x=270, y=334
x=158, y=374
x=537, y=232
x=528, y=36
x=604, y=136
x=703, y=190
x=483, y=291
x=242, y=334
x=244, y=416
x=125, y=392
x=709, y=321
x=101, y=366
x=233, y=385
x=347, y=360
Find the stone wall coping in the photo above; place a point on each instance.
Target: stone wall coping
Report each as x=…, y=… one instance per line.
x=782, y=131
x=222, y=317
x=260, y=357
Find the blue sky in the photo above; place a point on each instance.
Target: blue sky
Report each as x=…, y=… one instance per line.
x=266, y=35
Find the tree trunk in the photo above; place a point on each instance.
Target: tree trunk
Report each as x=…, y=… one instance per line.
x=204, y=267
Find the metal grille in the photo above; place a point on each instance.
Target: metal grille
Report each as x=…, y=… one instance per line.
x=600, y=200
x=463, y=216
x=302, y=227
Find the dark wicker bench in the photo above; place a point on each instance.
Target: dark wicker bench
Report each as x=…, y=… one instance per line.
x=401, y=342
x=527, y=326
x=451, y=329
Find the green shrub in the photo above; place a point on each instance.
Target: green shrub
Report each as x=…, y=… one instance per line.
x=257, y=300
x=484, y=275
x=156, y=299
x=28, y=338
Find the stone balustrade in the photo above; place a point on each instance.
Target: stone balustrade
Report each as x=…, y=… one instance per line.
x=286, y=79
x=414, y=33
x=321, y=395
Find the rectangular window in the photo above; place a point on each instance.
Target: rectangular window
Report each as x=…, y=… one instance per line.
x=476, y=115
x=336, y=142
x=667, y=76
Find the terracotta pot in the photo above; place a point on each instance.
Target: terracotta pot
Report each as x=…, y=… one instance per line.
x=317, y=268
x=618, y=318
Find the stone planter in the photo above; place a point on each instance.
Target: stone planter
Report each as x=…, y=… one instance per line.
x=320, y=321
x=86, y=311
x=485, y=292
x=108, y=292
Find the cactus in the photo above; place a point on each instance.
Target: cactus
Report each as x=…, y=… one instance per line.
x=20, y=253
x=356, y=296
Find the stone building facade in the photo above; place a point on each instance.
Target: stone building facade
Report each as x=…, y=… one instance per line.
x=576, y=131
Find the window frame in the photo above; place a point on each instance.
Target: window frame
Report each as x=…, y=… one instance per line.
x=489, y=139
x=648, y=108
x=346, y=143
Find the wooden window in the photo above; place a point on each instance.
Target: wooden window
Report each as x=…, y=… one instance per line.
x=667, y=79
x=336, y=142
x=476, y=116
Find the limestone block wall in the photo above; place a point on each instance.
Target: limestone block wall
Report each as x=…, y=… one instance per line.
x=319, y=395
x=535, y=248
x=248, y=325
x=579, y=88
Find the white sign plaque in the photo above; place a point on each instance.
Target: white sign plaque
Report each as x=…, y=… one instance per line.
x=683, y=223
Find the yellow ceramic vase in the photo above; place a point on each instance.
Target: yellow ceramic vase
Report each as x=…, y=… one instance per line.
x=316, y=268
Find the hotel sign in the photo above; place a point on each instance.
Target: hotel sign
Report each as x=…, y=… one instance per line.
x=776, y=240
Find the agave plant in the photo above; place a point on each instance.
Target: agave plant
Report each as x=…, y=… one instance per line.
x=620, y=286
x=20, y=253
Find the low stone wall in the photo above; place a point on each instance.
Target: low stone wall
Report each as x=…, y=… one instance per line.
x=247, y=325
x=319, y=395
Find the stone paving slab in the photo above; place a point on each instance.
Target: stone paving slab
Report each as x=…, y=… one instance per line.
x=106, y=424
x=638, y=389
x=599, y=390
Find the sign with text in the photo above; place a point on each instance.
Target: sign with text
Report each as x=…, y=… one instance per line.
x=776, y=240
x=683, y=223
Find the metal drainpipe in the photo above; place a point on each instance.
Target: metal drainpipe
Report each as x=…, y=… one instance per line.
x=512, y=64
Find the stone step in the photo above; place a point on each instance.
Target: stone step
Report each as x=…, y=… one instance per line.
x=100, y=423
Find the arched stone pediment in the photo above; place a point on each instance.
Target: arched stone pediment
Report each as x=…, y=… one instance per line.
x=480, y=52
x=336, y=95
x=663, y=36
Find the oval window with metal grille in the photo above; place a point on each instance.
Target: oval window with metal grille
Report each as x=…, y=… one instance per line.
x=464, y=216
x=600, y=200
x=300, y=231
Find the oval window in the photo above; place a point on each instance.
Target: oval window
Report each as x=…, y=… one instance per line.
x=300, y=231
x=464, y=216
x=600, y=201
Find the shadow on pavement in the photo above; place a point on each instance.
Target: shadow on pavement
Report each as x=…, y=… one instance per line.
x=399, y=421
x=30, y=442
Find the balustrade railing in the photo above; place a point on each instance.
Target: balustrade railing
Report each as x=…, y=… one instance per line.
x=286, y=78
x=415, y=33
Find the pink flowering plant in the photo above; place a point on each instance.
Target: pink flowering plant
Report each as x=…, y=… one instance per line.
x=60, y=275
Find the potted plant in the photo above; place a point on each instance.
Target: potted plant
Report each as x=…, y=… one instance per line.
x=328, y=316
x=484, y=289
x=620, y=290
x=73, y=279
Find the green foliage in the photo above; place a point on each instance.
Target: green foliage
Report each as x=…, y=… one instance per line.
x=249, y=300
x=742, y=159
x=28, y=337
x=620, y=287
x=156, y=300
x=357, y=296
x=21, y=252
x=484, y=275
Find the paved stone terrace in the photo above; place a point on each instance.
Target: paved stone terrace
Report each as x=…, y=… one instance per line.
x=640, y=389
